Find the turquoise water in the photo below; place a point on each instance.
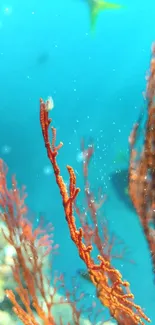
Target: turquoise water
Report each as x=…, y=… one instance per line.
x=46, y=49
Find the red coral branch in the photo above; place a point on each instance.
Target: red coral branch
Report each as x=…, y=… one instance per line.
x=32, y=246
x=115, y=296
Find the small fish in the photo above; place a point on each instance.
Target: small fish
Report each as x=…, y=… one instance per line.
x=96, y=6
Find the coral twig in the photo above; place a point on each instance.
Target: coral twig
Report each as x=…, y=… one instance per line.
x=114, y=296
x=34, y=300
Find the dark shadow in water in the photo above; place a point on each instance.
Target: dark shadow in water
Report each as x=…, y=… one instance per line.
x=43, y=58
x=120, y=184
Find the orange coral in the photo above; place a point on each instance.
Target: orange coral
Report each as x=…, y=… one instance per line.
x=31, y=246
x=114, y=295
x=34, y=297
x=142, y=167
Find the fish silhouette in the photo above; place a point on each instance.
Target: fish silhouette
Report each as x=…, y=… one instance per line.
x=96, y=6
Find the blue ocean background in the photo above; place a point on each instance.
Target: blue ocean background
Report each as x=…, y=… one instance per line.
x=96, y=82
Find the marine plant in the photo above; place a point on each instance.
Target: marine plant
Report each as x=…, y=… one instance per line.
x=32, y=246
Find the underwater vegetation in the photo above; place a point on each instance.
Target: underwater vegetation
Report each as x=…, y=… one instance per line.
x=36, y=298
x=142, y=167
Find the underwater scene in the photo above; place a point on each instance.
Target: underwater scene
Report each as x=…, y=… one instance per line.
x=77, y=162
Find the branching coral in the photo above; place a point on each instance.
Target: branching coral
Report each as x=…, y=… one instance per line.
x=33, y=245
x=6, y=260
x=35, y=301
x=28, y=262
x=95, y=229
x=114, y=295
x=142, y=167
